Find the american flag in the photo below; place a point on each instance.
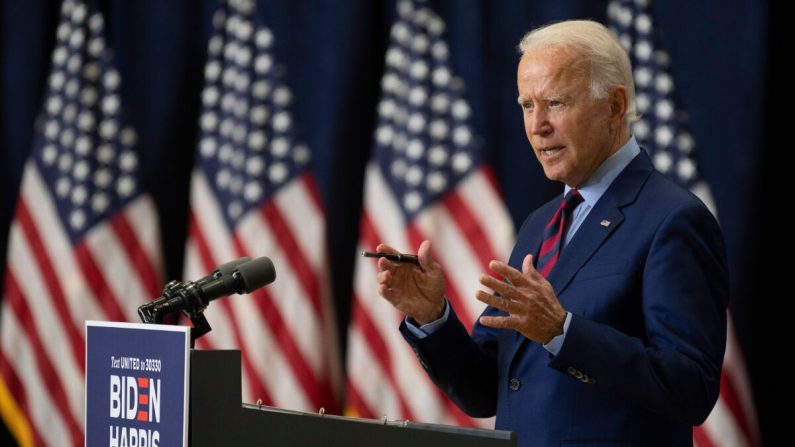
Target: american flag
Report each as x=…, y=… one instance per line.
x=427, y=180
x=84, y=243
x=663, y=131
x=253, y=193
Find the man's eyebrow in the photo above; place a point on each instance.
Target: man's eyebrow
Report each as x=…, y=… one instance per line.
x=547, y=98
x=558, y=97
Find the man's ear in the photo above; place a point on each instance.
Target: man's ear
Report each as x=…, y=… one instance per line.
x=618, y=105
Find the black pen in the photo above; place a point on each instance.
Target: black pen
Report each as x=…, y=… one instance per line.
x=397, y=257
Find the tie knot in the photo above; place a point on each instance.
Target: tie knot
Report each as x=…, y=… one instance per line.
x=571, y=200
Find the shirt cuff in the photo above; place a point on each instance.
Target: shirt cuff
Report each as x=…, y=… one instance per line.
x=554, y=345
x=429, y=328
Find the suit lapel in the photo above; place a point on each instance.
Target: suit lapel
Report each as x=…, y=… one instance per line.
x=593, y=232
x=582, y=246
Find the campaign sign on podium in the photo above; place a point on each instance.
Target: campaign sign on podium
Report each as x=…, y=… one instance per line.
x=136, y=385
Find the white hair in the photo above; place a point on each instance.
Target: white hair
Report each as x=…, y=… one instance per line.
x=609, y=63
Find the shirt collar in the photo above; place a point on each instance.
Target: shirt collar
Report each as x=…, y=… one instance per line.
x=600, y=180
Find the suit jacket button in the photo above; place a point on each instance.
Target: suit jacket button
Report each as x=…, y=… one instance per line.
x=571, y=370
x=515, y=384
x=578, y=375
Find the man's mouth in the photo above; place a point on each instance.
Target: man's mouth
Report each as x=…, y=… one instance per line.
x=550, y=151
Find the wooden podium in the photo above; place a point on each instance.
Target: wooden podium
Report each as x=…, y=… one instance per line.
x=218, y=418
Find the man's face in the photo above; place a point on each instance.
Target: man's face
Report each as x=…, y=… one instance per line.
x=569, y=130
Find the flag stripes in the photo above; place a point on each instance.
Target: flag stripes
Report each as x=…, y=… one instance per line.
x=84, y=243
x=426, y=180
x=663, y=130
x=253, y=194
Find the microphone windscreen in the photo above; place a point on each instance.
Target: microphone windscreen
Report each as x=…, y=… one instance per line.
x=228, y=267
x=256, y=273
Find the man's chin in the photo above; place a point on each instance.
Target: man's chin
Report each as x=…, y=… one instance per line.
x=554, y=174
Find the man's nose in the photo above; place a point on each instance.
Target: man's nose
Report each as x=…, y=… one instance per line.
x=539, y=123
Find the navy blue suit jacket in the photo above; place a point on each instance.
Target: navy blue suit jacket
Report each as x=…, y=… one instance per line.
x=646, y=282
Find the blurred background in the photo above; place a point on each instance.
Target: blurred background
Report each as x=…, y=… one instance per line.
x=333, y=57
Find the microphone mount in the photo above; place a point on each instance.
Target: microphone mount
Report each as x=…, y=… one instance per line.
x=177, y=291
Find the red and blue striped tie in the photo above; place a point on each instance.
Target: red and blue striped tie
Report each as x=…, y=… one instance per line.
x=554, y=232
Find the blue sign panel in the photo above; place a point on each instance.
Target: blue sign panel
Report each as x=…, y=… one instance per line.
x=136, y=385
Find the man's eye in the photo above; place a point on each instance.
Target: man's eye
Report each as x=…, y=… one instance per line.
x=555, y=103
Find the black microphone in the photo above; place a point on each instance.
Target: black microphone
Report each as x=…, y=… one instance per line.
x=224, y=269
x=192, y=297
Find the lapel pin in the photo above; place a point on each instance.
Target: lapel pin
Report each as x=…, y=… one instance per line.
x=605, y=223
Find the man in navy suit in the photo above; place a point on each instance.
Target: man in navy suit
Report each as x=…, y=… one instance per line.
x=620, y=341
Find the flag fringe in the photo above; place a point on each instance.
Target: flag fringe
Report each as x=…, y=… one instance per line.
x=14, y=417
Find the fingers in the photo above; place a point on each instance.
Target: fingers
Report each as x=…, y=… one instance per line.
x=508, y=322
x=384, y=264
x=383, y=276
x=506, y=271
x=384, y=248
x=506, y=289
x=496, y=285
x=496, y=302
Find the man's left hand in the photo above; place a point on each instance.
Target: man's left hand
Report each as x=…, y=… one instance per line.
x=532, y=306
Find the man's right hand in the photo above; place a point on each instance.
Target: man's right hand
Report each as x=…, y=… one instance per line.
x=417, y=291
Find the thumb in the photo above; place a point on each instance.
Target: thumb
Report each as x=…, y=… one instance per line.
x=424, y=254
x=527, y=265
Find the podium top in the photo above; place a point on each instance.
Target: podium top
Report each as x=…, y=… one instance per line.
x=420, y=433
